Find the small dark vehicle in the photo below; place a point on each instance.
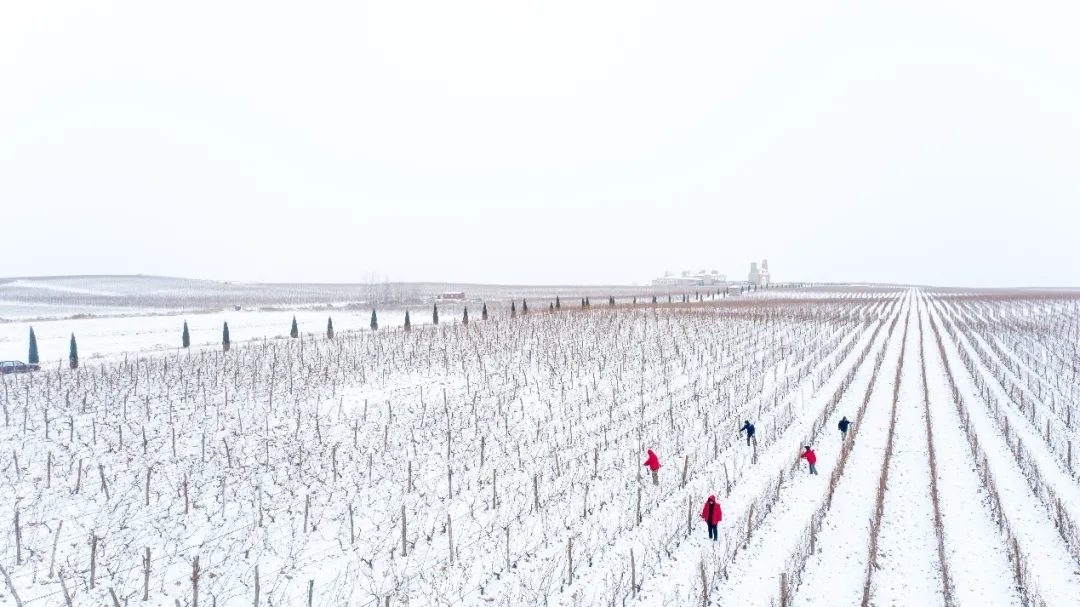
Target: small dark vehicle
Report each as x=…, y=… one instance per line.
x=15, y=366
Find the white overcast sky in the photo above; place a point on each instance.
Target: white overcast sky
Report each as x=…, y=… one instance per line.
x=533, y=142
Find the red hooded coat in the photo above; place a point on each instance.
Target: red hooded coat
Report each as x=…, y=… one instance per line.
x=717, y=515
x=652, y=462
x=809, y=456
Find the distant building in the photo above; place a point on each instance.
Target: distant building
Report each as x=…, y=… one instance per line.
x=453, y=295
x=734, y=290
x=690, y=279
x=760, y=277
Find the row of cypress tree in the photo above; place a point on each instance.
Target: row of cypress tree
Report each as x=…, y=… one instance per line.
x=294, y=331
x=34, y=358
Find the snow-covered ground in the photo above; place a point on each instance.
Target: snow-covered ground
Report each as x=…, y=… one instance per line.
x=501, y=462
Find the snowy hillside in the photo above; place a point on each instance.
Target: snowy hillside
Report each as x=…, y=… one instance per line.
x=500, y=463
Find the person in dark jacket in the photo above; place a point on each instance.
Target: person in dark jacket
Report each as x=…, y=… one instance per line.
x=712, y=515
x=844, y=424
x=811, y=458
x=653, y=464
x=749, y=429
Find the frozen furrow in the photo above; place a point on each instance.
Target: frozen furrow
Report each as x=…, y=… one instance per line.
x=680, y=576
x=1050, y=566
x=978, y=561
x=755, y=575
x=906, y=569
x=835, y=575
x=1062, y=483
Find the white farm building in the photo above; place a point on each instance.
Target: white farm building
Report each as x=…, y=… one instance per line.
x=690, y=279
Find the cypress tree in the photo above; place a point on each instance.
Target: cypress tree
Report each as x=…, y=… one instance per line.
x=587, y=304
x=408, y=323
x=654, y=299
x=558, y=304
x=483, y=313
x=186, y=337
x=294, y=332
x=465, y=317
x=551, y=307
x=513, y=310
x=435, y=315
x=329, y=328
x=524, y=307
x=635, y=301
x=374, y=321
x=73, y=353
x=33, y=357
x=582, y=302
x=225, y=337
x=669, y=299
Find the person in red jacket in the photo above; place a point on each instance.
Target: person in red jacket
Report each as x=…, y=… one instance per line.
x=653, y=464
x=811, y=458
x=712, y=515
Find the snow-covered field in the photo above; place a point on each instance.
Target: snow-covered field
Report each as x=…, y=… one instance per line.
x=501, y=462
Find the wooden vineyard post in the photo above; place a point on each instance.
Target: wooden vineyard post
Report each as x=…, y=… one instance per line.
x=148, y=486
x=585, y=504
x=307, y=506
x=685, y=468
x=409, y=490
x=784, y=599
x=494, y=495
x=78, y=477
x=18, y=541
x=570, y=558
x=633, y=575
x=536, y=493
x=508, y=547
x=352, y=534
x=146, y=577
x=689, y=514
x=482, y=451
x=704, y=584
x=404, y=546
x=727, y=482
x=56, y=540
x=195, y=582
x=450, y=536
x=310, y=591
x=93, y=558
x=256, y=586
x=187, y=502
x=596, y=463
